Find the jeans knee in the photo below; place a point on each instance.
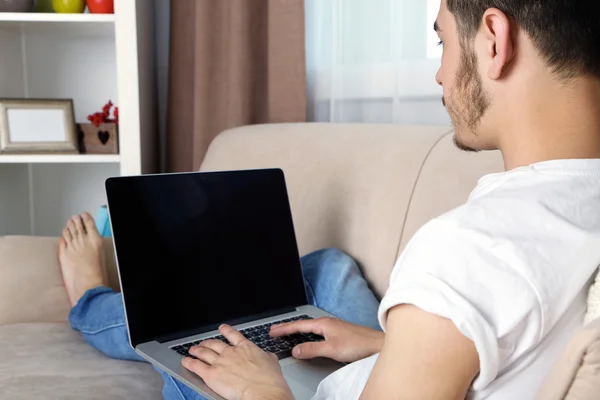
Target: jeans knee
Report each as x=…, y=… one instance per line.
x=334, y=261
x=337, y=255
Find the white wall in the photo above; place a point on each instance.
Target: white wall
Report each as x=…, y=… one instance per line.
x=80, y=68
x=62, y=190
x=14, y=203
x=11, y=64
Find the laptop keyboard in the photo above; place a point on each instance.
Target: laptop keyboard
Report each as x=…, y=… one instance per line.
x=260, y=336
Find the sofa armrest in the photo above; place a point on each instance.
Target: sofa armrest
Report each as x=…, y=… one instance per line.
x=31, y=288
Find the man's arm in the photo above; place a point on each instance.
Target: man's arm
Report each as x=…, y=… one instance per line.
x=424, y=357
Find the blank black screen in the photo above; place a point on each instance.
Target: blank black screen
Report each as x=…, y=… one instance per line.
x=200, y=249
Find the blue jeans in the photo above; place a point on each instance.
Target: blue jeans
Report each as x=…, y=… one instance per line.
x=333, y=283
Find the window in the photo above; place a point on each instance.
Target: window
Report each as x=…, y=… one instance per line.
x=433, y=50
x=373, y=61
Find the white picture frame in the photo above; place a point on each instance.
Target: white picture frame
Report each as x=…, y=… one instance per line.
x=37, y=126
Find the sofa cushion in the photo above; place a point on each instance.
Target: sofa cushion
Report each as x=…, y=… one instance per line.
x=31, y=288
x=576, y=375
x=51, y=361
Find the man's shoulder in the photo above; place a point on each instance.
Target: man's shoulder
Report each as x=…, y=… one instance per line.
x=513, y=211
x=549, y=245
x=489, y=214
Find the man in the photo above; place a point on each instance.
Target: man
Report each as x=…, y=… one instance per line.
x=485, y=297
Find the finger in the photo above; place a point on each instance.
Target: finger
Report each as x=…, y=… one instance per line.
x=196, y=366
x=215, y=345
x=306, y=326
x=310, y=350
x=71, y=228
x=79, y=224
x=203, y=354
x=234, y=337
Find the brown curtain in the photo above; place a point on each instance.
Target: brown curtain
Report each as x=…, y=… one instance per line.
x=232, y=63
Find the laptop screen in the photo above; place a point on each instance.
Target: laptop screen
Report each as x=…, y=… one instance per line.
x=200, y=249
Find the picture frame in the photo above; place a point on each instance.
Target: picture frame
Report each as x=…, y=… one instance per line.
x=42, y=126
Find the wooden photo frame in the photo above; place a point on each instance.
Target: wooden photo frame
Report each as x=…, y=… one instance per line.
x=37, y=126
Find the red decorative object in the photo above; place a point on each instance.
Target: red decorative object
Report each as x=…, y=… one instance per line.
x=101, y=6
x=106, y=109
x=104, y=117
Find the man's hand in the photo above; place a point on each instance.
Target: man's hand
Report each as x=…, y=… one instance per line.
x=344, y=342
x=238, y=372
x=424, y=357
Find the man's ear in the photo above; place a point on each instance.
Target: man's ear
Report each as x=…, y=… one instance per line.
x=498, y=41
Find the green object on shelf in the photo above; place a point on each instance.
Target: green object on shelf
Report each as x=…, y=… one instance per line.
x=44, y=6
x=68, y=6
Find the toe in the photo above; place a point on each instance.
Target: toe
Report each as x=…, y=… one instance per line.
x=62, y=245
x=78, y=225
x=72, y=228
x=66, y=233
x=88, y=223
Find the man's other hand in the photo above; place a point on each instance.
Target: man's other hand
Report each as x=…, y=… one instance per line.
x=344, y=342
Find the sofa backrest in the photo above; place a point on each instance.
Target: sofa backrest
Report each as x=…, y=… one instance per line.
x=364, y=189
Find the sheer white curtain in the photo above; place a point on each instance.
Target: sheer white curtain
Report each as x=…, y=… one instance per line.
x=373, y=61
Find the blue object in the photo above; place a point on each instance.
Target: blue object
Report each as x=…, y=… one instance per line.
x=103, y=222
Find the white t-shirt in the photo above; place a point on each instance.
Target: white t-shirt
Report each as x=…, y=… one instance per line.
x=511, y=268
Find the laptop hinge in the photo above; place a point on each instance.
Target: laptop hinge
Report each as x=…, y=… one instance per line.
x=213, y=327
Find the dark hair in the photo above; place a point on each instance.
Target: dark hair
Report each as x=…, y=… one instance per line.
x=565, y=32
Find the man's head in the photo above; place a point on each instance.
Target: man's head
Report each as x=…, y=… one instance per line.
x=496, y=52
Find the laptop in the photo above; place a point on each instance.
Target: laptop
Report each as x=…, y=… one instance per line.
x=196, y=250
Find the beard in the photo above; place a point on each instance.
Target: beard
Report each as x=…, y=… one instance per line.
x=469, y=102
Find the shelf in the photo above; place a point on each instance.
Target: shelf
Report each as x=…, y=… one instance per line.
x=55, y=17
x=86, y=25
x=59, y=158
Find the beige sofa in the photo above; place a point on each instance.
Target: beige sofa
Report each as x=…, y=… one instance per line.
x=364, y=189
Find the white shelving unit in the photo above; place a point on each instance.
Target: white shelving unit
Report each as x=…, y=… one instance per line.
x=90, y=58
x=34, y=17
x=59, y=159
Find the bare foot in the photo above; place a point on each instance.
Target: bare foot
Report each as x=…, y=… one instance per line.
x=81, y=257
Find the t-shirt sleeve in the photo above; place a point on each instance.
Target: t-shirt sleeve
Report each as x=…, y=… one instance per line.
x=474, y=281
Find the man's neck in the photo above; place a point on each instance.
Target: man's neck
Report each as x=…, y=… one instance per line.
x=555, y=123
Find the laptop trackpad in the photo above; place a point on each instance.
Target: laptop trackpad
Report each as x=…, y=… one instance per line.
x=300, y=391
x=304, y=377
